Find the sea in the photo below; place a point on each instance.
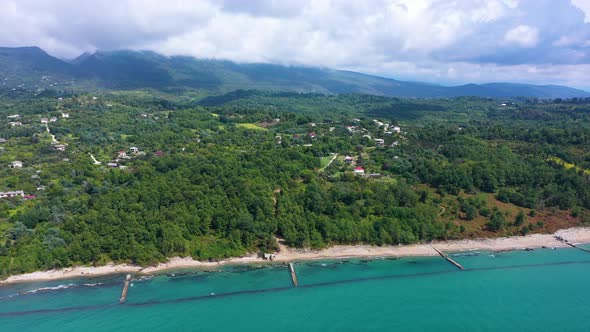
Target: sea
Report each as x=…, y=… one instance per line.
x=541, y=290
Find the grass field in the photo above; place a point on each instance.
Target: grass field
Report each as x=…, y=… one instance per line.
x=252, y=126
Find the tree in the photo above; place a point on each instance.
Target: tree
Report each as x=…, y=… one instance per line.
x=497, y=221
x=520, y=218
x=470, y=212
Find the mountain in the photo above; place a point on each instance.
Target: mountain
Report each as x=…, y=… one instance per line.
x=144, y=69
x=31, y=62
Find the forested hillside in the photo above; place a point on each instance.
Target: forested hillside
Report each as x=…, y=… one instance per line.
x=31, y=69
x=138, y=176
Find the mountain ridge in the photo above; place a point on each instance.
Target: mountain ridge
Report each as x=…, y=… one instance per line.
x=126, y=69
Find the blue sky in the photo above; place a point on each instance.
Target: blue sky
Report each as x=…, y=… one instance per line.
x=448, y=42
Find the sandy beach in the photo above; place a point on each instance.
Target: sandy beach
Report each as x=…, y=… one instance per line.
x=573, y=235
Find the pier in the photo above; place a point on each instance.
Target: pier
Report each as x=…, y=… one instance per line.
x=575, y=246
x=293, y=275
x=125, y=289
x=560, y=239
x=449, y=259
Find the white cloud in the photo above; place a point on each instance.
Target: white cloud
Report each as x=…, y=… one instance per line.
x=522, y=35
x=427, y=36
x=584, y=5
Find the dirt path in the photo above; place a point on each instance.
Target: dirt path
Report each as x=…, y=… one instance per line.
x=330, y=162
x=53, y=140
x=96, y=162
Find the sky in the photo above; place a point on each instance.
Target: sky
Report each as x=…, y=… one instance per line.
x=439, y=41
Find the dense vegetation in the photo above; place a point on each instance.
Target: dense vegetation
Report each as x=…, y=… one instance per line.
x=224, y=175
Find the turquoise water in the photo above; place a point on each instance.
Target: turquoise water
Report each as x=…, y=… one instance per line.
x=542, y=290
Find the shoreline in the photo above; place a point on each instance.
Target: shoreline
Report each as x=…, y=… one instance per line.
x=285, y=255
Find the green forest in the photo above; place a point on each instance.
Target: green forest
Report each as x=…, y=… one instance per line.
x=140, y=175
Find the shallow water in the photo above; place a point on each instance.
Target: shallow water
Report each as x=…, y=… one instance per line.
x=541, y=290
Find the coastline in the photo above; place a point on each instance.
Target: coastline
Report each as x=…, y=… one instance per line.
x=574, y=235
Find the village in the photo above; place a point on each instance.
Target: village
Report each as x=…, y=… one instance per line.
x=370, y=134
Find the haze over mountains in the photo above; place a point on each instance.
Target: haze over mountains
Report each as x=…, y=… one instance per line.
x=133, y=69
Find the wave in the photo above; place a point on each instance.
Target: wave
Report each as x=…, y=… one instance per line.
x=50, y=289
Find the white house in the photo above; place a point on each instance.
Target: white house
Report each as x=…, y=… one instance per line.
x=16, y=124
x=10, y=194
x=60, y=147
x=16, y=164
x=134, y=149
x=379, y=141
x=44, y=120
x=397, y=129
x=65, y=115
x=53, y=119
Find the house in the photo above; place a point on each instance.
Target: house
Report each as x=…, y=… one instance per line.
x=2, y=140
x=113, y=165
x=16, y=164
x=312, y=124
x=16, y=124
x=41, y=188
x=134, y=150
x=278, y=139
x=159, y=153
x=14, y=116
x=397, y=129
x=379, y=141
x=122, y=154
x=375, y=175
x=44, y=120
x=29, y=197
x=10, y=194
x=359, y=170
x=53, y=119
x=312, y=135
x=348, y=159
x=65, y=115
x=356, y=120
x=60, y=147
x=394, y=144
